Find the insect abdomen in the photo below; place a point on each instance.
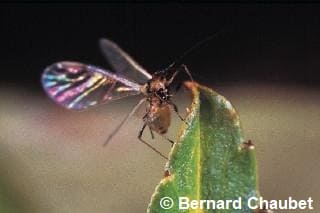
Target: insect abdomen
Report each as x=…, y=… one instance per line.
x=159, y=121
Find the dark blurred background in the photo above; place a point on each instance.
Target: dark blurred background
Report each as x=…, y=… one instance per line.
x=259, y=42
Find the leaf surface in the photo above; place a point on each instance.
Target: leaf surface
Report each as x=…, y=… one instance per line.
x=211, y=160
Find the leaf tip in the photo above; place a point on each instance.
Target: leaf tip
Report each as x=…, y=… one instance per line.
x=190, y=84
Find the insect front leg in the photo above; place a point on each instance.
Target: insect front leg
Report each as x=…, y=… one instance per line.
x=177, y=86
x=173, y=77
x=182, y=67
x=186, y=70
x=175, y=108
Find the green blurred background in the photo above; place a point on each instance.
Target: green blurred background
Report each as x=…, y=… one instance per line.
x=52, y=160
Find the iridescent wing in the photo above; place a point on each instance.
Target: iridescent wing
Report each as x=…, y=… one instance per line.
x=122, y=63
x=79, y=86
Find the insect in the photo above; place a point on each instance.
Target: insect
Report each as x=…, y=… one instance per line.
x=79, y=86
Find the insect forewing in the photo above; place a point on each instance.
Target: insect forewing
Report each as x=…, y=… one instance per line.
x=122, y=63
x=79, y=86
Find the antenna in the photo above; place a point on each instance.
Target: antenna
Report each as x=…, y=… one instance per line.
x=195, y=46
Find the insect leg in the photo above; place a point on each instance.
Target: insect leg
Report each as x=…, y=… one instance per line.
x=167, y=139
x=173, y=77
x=141, y=130
x=175, y=108
x=185, y=68
x=144, y=142
x=140, y=135
x=182, y=67
x=151, y=132
x=123, y=122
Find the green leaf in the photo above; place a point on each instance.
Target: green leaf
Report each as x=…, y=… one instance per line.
x=210, y=160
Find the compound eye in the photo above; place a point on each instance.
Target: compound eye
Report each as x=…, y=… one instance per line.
x=162, y=94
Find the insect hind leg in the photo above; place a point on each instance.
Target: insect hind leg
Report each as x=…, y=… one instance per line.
x=147, y=144
x=151, y=133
